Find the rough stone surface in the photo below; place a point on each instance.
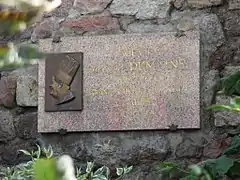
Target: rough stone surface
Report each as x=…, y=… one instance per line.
x=216, y=146
x=89, y=7
x=7, y=91
x=26, y=126
x=7, y=131
x=146, y=27
x=188, y=149
x=125, y=148
x=141, y=9
x=102, y=22
x=231, y=22
x=179, y=4
x=234, y=4
x=167, y=88
x=229, y=70
x=27, y=91
x=204, y=3
x=46, y=29
x=212, y=36
x=223, y=118
x=209, y=86
x=10, y=152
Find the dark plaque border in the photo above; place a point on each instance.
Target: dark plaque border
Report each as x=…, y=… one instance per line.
x=51, y=66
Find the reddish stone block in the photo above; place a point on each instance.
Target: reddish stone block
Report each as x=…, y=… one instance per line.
x=216, y=147
x=93, y=23
x=7, y=91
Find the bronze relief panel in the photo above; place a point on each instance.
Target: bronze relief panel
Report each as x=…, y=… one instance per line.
x=64, y=82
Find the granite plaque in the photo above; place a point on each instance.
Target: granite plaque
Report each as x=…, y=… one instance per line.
x=64, y=83
x=130, y=82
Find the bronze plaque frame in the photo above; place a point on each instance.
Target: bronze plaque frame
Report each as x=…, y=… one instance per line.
x=64, y=82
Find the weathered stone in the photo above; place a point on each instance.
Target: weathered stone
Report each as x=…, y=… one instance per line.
x=188, y=149
x=124, y=7
x=223, y=118
x=216, y=147
x=231, y=21
x=114, y=149
x=211, y=30
x=46, y=28
x=226, y=55
x=212, y=36
x=209, y=86
x=90, y=7
x=7, y=131
x=26, y=126
x=102, y=22
x=11, y=154
x=204, y=3
x=103, y=32
x=179, y=4
x=187, y=19
x=63, y=10
x=146, y=27
x=29, y=71
x=27, y=91
x=234, y=4
x=124, y=21
x=7, y=91
x=186, y=24
x=229, y=70
x=73, y=14
x=153, y=9
x=141, y=9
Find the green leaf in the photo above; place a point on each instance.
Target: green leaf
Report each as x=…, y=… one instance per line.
x=235, y=102
x=89, y=167
x=220, y=107
x=99, y=177
x=223, y=164
x=234, y=170
x=128, y=169
x=211, y=168
x=235, y=146
x=169, y=164
x=119, y=171
x=45, y=169
x=196, y=169
x=25, y=152
x=228, y=83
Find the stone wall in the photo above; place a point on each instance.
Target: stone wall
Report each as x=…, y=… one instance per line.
x=219, y=24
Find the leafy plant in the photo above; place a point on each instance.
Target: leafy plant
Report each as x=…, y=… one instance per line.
x=229, y=86
x=44, y=166
x=226, y=165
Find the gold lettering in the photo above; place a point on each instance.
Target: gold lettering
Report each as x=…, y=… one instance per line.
x=182, y=62
x=174, y=63
x=145, y=100
x=100, y=92
x=140, y=65
x=149, y=64
x=125, y=52
x=126, y=90
x=134, y=102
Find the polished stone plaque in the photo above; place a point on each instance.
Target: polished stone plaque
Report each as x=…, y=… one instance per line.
x=131, y=82
x=64, y=82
